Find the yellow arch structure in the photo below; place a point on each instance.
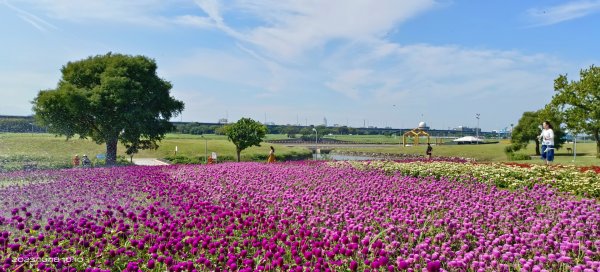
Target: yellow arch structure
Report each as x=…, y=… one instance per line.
x=416, y=134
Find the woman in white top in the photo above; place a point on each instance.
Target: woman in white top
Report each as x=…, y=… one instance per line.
x=547, y=139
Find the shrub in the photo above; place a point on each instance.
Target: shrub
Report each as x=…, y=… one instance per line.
x=519, y=157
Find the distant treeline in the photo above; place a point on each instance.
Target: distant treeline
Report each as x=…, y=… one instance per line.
x=307, y=131
x=17, y=124
x=26, y=124
x=289, y=130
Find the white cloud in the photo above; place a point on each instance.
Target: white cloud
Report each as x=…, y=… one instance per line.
x=290, y=49
x=292, y=27
x=347, y=82
x=313, y=56
x=568, y=11
x=453, y=71
x=219, y=66
x=195, y=21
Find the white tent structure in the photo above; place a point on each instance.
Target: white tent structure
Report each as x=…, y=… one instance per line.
x=468, y=140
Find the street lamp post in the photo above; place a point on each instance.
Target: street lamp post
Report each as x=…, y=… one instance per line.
x=477, y=129
x=316, y=144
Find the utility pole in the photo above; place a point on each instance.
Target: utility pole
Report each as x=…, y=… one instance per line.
x=477, y=129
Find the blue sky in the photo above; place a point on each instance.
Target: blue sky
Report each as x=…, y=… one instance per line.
x=383, y=63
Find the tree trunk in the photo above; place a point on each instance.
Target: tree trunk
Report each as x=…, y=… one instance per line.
x=596, y=134
x=537, y=147
x=238, y=151
x=111, y=151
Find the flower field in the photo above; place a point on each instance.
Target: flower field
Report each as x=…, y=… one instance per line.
x=288, y=217
x=583, y=181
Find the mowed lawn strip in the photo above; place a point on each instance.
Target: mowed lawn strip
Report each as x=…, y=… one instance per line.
x=47, y=147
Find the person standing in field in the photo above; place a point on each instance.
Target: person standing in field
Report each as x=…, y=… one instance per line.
x=76, y=161
x=429, y=150
x=547, y=139
x=271, y=158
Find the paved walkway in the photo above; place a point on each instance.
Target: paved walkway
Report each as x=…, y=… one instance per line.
x=148, y=161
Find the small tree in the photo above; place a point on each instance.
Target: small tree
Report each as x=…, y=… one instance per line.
x=110, y=98
x=528, y=129
x=245, y=133
x=579, y=102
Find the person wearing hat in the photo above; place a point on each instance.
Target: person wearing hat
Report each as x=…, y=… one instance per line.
x=86, y=161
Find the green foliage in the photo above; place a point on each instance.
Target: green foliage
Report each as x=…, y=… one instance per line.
x=528, y=129
x=290, y=131
x=185, y=160
x=519, y=157
x=110, y=98
x=245, y=133
x=14, y=162
x=19, y=124
x=291, y=156
x=514, y=147
x=579, y=102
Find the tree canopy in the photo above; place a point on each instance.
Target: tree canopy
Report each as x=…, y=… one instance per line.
x=110, y=98
x=528, y=129
x=579, y=102
x=245, y=133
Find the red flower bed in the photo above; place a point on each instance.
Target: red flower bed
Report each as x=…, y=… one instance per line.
x=593, y=168
x=522, y=165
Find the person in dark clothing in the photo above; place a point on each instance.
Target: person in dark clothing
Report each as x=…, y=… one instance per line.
x=429, y=150
x=85, y=161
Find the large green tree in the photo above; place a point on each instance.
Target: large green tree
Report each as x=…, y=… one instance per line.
x=110, y=98
x=245, y=133
x=579, y=102
x=528, y=129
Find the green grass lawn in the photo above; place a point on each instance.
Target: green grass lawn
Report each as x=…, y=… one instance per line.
x=46, y=150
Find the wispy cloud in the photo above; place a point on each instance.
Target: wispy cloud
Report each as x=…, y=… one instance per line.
x=317, y=56
x=338, y=49
x=569, y=11
x=35, y=21
x=141, y=12
x=290, y=28
x=194, y=21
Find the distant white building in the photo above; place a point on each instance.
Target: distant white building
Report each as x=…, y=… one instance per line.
x=223, y=121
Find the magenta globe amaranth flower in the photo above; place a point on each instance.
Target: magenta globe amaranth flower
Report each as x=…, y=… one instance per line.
x=433, y=266
x=297, y=216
